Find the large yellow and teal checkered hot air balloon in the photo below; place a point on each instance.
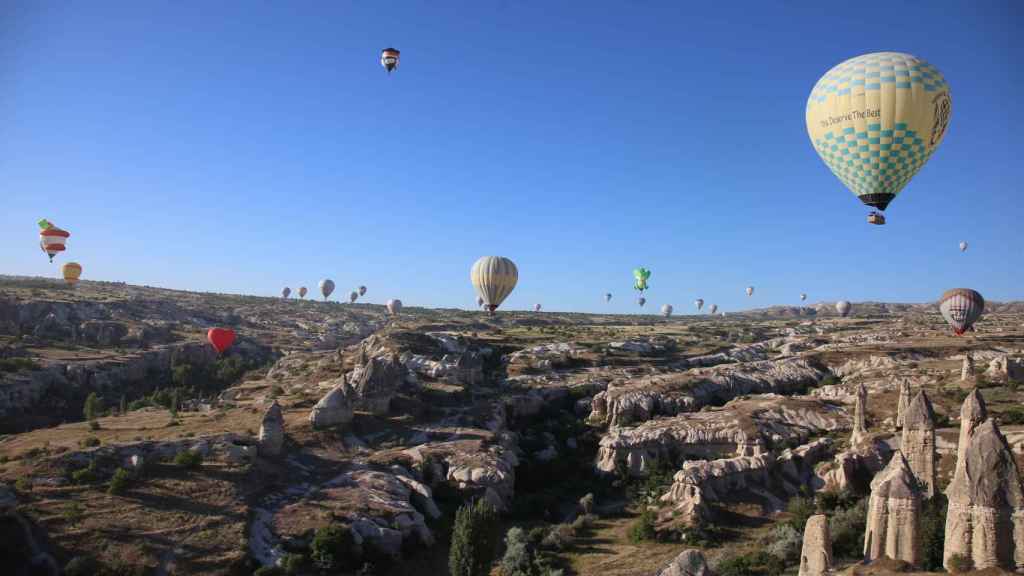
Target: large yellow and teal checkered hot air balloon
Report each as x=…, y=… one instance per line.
x=875, y=120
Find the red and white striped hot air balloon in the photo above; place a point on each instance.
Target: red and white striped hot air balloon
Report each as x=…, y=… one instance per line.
x=961, y=307
x=51, y=238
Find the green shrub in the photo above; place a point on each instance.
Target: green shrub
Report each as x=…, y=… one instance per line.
x=474, y=540
x=784, y=542
x=123, y=408
x=94, y=425
x=800, y=509
x=847, y=528
x=559, y=537
x=17, y=364
x=518, y=558
x=85, y=475
x=831, y=500
x=933, y=532
x=92, y=407
x=191, y=459
x=754, y=564
x=959, y=563
x=829, y=380
x=175, y=401
x=89, y=442
x=643, y=528
x=23, y=484
x=181, y=375
x=81, y=566
x=119, y=482
x=334, y=548
x=1012, y=416
x=270, y=571
x=73, y=512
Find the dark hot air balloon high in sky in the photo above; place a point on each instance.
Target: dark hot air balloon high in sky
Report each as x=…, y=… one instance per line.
x=389, y=59
x=875, y=120
x=961, y=307
x=362, y=290
x=352, y=296
x=714, y=308
x=608, y=297
x=699, y=302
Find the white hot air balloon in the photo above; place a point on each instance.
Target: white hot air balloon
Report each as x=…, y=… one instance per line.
x=326, y=287
x=394, y=306
x=493, y=278
x=700, y=303
x=963, y=246
x=536, y=307
x=666, y=310
x=750, y=290
x=286, y=292
x=714, y=308
x=352, y=296
x=843, y=307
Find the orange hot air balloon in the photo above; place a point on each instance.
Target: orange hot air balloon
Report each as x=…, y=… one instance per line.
x=51, y=238
x=220, y=338
x=72, y=271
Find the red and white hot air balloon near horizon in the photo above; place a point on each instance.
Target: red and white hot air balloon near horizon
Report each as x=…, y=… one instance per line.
x=326, y=287
x=961, y=307
x=51, y=238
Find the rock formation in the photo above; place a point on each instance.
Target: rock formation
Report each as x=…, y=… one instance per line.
x=972, y=413
x=860, y=409
x=985, y=519
x=271, y=436
x=687, y=563
x=375, y=381
x=333, y=409
x=893, y=514
x=967, y=370
x=918, y=444
x=853, y=469
x=1004, y=368
x=904, y=402
x=816, y=555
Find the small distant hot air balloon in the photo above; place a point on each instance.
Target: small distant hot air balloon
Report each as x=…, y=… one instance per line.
x=700, y=303
x=666, y=310
x=641, y=301
x=803, y=297
x=722, y=314
x=362, y=290
x=326, y=287
x=389, y=59
x=714, y=308
x=963, y=246
x=286, y=292
x=352, y=297
x=51, y=238
x=493, y=278
x=843, y=307
x=302, y=291
x=394, y=306
x=961, y=307
x=479, y=301
x=536, y=307
x=876, y=120
x=220, y=338
x=608, y=297
x=750, y=290
x=71, y=271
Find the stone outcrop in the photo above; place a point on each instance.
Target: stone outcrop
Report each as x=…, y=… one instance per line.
x=904, y=402
x=816, y=554
x=860, y=409
x=985, y=518
x=972, y=413
x=967, y=369
x=687, y=563
x=271, y=437
x=641, y=399
x=893, y=514
x=1003, y=368
x=375, y=381
x=743, y=427
x=334, y=409
x=853, y=469
x=918, y=443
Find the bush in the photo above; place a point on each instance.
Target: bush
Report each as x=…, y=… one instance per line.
x=753, y=564
x=829, y=380
x=800, y=509
x=474, y=540
x=830, y=501
x=181, y=375
x=85, y=475
x=23, y=484
x=847, y=528
x=81, y=566
x=933, y=532
x=334, y=548
x=559, y=537
x=518, y=558
x=959, y=563
x=17, y=364
x=582, y=523
x=643, y=528
x=188, y=459
x=119, y=482
x=92, y=407
x=269, y=571
x=784, y=542
x=1012, y=416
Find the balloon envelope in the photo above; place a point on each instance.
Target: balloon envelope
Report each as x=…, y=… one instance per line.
x=394, y=306
x=641, y=301
x=362, y=290
x=52, y=239
x=352, y=296
x=285, y=292
x=640, y=276
x=666, y=310
x=493, y=278
x=963, y=246
x=220, y=338
x=876, y=119
x=961, y=307
x=326, y=287
x=700, y=303
x=714, y=308
x=536, y=307
x=71, y=271
x=803, y=296
x=843, y=307
x=750, y=290
x=302, y=291
x=608, y=297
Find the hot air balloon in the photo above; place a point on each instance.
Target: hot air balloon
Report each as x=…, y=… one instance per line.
x=843, y=307
x=220, y=338
x=750, y=290
x=394, y=306
x=326, y=287
x=963, y=246
x=479, y=301
x=51, y=238
x=286, y=292
x=875, y=120
x=608, y=297
x=666, y=310
x=700, y=303
x=961, y=307
x=352, y=297
x=72, y=271
x=803, y=297
x=302, y=291
x=641, y=301
x=389, y=59
x=493, y=278
x=362, y=290
x=536, y=307
x=722, y=314
x=714, y=308
x=640, y=276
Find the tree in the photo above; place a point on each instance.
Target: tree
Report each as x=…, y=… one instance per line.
x=518, y=558
x=92, y=407
x=124, y=405
x=487, y=536
x=174, y=403
x=460, y=555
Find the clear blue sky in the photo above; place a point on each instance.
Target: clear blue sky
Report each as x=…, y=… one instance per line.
x=245, y=146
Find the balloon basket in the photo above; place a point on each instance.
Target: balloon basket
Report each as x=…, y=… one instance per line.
x=876, y=218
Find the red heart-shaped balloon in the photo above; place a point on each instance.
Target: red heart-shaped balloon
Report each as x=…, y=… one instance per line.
x=220, y=338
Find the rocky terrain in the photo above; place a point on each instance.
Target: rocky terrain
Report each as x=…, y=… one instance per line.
x=334, y=439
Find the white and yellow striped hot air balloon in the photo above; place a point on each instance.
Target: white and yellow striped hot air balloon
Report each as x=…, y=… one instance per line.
x=493, y=278
x=875, y=120
x=71, y=271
